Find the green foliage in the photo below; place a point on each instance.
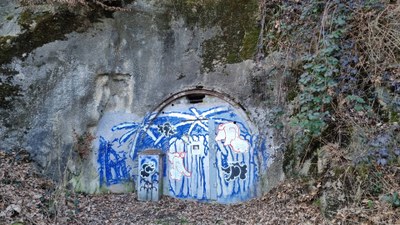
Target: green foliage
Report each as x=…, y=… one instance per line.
x=337, y=79
x=317, y=82
x=393, y=199
x=376, y=186
x=358, y=103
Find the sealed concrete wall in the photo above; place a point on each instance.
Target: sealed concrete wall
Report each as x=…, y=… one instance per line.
x=212, y=149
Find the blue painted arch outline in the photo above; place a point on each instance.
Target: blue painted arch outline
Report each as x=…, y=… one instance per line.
x=210, y=92
x=186, y=118
x=228, y=191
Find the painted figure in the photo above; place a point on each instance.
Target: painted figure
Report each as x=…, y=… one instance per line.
x=235, y=170
x=148, y=185
x=166, y=129
x=229, y=133
x=177, y=169
x=147, y=169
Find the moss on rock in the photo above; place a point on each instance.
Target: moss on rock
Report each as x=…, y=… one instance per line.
x=48, y=28
x=394, y=117
x=289, y=159
x=250, y=41
x=7, y=93
x=236, y=18
x=44, y=27
x=39, y=28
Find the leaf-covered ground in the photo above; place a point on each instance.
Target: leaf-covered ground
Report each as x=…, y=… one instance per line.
x=27, y=198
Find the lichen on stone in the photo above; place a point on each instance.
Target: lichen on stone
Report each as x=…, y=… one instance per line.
x=7, y=94
x=44, y=27
x=238, y=38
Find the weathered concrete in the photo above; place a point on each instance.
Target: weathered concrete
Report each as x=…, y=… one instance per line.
x=127, y=66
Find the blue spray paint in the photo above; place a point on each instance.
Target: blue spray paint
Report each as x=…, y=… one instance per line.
x=113, y=168
x=177, y=132
x=149, y=176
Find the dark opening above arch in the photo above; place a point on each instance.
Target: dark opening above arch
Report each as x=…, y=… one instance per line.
x=196, y=94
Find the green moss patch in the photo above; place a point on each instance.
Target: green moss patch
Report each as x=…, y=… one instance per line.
x=7, y=93
x=250, y=41
x=39, y=29
x=48, y=28
x=394, y=117
x=45, y=27
x=236, y=18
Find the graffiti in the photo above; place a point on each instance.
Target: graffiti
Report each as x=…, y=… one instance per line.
x=148, y=185
x=133, y=128
x=166, y=129
x=235, y=170
x=149, y=182
x=201, y=145
x=195, y=161
x=177, y=169
x=229, y=133
x=112, y=164
x=196, y=149
x=147, y=169
x=146, y=130
x=195, y=118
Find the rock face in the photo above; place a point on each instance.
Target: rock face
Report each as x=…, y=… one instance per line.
x=106, y=71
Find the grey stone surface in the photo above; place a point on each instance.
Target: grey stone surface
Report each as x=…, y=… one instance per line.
x=126, y=64
x=9, y=14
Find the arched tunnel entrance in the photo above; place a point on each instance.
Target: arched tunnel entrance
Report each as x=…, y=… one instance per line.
x=209, y=147
x=208, y=144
